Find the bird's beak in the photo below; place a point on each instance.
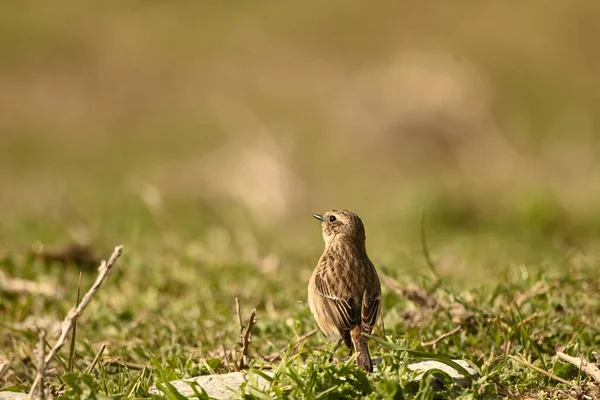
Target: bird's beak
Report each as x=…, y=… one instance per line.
x=319, y=217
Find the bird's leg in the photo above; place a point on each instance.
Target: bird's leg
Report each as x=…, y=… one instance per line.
x=339, y=343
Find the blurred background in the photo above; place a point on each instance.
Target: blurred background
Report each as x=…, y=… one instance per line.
x=215, y=129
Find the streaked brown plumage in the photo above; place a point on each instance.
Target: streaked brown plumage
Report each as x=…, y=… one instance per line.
x=344, y=292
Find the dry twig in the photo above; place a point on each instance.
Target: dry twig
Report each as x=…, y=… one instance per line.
x=103, y=271
x=441, y=337
x=528, y=319
x=41, y=370
x=583, y=365
x=245, y=335
x=247, y=339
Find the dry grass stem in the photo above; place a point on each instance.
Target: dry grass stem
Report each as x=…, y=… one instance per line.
x=442, y=337
x=103, y=272
x=583, y=365
x=275, y=356
x=91, y=367
x=41, y=370
x=225, y=353
x=544, y=372
x=302, y=338
x=74, y=335
x=528, y=319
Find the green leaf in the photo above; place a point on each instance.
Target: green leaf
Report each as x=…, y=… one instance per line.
x=200, y=394
x=256, y=393
x=170, y=391
x=265, y=376
x=422, y=355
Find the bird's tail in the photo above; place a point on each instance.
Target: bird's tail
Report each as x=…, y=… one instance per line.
x=361, y=346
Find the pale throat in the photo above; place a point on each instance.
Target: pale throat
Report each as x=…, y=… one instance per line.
x=340, y=240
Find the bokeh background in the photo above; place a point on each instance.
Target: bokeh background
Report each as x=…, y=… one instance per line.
x=213, y=130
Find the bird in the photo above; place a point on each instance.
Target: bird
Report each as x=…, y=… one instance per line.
x=344, y=292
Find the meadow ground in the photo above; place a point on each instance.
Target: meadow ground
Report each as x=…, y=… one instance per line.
x=203, y=137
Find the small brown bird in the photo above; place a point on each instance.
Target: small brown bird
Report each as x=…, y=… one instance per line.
x=344, y=292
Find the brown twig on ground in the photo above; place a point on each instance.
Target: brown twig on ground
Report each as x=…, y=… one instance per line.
x=18, y=285
x=583, y=365
x=246, y=338
x=103, y=271
x=276, y=356
x=41, y=369
x=544, y=372
x=442, y=337
x=91, y=367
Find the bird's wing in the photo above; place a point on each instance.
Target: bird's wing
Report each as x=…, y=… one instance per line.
x=369, y=312
x=341, y=309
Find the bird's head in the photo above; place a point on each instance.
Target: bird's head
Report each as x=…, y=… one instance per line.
x=342, y=225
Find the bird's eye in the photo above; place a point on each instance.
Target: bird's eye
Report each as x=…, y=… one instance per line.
x=332, y=218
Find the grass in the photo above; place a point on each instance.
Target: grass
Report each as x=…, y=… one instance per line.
x=202, y=138
x=169, y=314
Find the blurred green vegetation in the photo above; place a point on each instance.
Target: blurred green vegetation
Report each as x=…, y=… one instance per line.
x=483, y=116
